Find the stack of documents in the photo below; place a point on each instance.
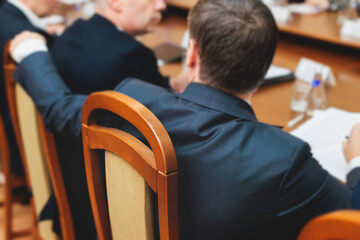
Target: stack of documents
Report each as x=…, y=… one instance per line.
x=303, y=8
x=325, y=132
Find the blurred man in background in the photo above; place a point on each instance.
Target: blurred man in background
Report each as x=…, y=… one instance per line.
x=17, y=16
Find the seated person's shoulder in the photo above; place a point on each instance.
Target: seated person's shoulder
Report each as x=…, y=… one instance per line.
x=15, y=26
x=138, y=88
x=273, y=138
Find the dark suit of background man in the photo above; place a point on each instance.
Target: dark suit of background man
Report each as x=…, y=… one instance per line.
x=97, y=54
x=238, y=178
x=15, y=17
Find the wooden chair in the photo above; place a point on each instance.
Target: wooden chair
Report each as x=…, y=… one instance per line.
x=37, y=147
x=11, y=182
x=340, y=224
x=131, y=168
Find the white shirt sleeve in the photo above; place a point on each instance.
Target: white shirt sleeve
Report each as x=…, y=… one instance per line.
x=28, y=47
x=354, y=163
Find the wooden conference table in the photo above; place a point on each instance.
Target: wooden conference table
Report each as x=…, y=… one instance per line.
x=322, y=26
x=272, y=103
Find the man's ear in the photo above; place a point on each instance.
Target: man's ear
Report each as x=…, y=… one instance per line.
x=116, y=5
x=192, y=54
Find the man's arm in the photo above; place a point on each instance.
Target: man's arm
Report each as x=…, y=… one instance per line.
x=307, y=190
x=60, y=109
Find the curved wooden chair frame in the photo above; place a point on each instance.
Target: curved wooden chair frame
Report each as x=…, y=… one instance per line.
x=340, y=224
x=49, y=148
x=157, y=166
x=9, y=69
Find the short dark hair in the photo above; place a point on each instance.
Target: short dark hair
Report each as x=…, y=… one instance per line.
x=236, y=41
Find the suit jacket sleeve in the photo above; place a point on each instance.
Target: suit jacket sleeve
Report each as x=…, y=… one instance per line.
x=357, y=195
x=353, y=178
x=307, y=191
x=60, y=109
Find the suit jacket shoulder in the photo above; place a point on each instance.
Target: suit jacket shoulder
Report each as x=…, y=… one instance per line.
x=94, y=55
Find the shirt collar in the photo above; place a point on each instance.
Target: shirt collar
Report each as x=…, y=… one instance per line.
x=30, y=15
x=218, y=100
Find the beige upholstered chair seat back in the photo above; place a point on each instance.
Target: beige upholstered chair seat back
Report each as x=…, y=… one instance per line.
x=39, y=177
x=129, y=195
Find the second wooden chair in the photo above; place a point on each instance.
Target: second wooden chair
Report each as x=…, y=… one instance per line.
x=131, y=170
x=340, y=224
x=38, y=150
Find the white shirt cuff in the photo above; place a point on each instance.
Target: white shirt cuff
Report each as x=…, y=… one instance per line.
x=354, y=163
x=27, y=48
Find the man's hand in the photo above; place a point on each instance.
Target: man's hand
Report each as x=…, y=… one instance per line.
x=351, y=146
x=321, y=3
x=22, y=37
x=26, y=43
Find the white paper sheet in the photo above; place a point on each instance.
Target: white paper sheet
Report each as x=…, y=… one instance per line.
x=325, y=132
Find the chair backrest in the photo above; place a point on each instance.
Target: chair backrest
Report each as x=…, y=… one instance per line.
x=37, y=147
x=131, y=168
x=5, y=157
x=340, y=224
x=11, y=182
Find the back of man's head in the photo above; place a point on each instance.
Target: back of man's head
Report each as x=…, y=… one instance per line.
x=236, y=40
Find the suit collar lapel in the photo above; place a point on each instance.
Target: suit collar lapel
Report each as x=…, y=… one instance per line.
x=27, y=13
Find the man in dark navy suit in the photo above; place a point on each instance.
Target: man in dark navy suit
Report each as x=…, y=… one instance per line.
x=15, y=17
x=97, y=54
x=238, y=178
